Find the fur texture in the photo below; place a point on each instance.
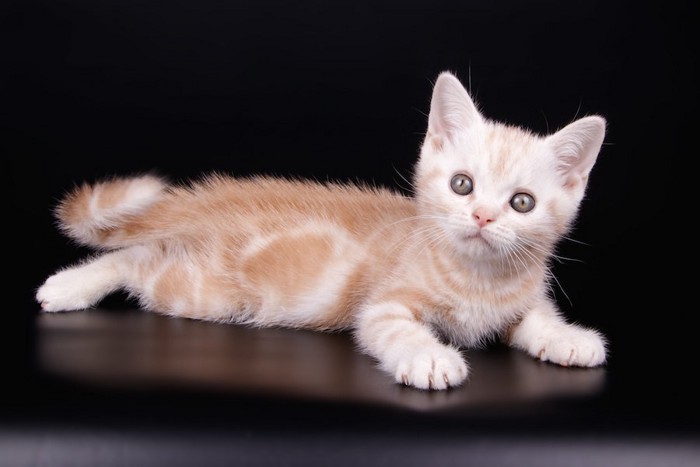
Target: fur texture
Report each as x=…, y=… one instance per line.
x=415, y=278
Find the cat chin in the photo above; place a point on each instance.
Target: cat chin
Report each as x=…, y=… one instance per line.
x=476, y=246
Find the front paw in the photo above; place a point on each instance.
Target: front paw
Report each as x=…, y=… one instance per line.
x=570, y=346
x=439, y=367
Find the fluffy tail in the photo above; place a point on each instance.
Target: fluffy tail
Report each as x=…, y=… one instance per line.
x=98, y=215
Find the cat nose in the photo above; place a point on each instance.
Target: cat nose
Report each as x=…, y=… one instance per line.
x=483, y=216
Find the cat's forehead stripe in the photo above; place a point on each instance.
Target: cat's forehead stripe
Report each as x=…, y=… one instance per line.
x=506, y=147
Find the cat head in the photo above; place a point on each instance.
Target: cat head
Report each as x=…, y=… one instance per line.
x=495, y=190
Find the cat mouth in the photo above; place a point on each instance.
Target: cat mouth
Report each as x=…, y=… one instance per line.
x=477, y=237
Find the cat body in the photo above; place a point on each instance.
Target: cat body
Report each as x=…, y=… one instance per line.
x=415, y=278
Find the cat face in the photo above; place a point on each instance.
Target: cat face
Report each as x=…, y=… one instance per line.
x=494, y=191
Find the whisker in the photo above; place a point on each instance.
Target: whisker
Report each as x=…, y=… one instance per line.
x=425, y=233
x=562, y=259
x=568, y=299
x=517, y=253
x=573, y=240
x=410, y=188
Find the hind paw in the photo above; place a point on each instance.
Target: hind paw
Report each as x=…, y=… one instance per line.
x=66, y=290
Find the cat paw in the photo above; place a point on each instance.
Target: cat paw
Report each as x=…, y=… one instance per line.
x=64, y=291
x=573, y=346
x=437, y=368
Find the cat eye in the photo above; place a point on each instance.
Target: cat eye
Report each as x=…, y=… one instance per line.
x=522, y=202
x=462, y=184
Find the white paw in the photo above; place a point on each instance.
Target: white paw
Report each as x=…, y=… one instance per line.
x=439, y=367
x=65, y=290
x=570, y=346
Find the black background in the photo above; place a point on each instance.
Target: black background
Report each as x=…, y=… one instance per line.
x=340, y=90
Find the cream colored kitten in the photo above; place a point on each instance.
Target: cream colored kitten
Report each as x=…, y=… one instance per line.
x=416, y=278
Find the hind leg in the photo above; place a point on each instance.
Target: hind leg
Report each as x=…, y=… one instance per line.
x=82, y=286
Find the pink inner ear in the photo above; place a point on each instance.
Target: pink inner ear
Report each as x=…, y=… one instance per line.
x=572, y=182
x=436, y=142
x=577, y=146
x=575, y=181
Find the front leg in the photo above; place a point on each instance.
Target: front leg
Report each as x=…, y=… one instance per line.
x=544, y=334
x=407, y=348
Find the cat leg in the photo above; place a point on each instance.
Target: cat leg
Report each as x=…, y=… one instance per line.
x=544, y=334
x=407, y=348
x=82, y=286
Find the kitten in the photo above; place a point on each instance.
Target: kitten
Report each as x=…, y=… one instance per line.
x=415, y=278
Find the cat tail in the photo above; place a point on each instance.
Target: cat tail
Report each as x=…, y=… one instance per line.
x=113, y=213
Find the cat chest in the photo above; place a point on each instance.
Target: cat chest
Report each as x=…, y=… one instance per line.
x=476, y=314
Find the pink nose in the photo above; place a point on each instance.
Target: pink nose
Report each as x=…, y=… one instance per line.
x=483, y=216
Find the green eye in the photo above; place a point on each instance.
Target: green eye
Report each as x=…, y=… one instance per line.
x=522, y=202
x=462, y=184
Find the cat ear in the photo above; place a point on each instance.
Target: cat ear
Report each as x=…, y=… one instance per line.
x=452, y=111
x=576, y=148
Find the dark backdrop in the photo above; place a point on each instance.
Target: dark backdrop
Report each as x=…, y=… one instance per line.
x=340, y=90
